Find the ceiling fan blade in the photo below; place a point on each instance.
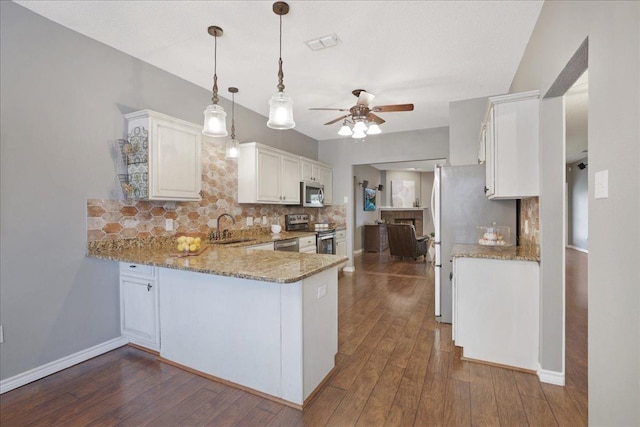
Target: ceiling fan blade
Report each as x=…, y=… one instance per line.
x=365, y=98
x=331, y=109
x=373, y=118
x=338, y=119
x=391, y=108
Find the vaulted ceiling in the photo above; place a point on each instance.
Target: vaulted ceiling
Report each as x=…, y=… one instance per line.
x=428, y=53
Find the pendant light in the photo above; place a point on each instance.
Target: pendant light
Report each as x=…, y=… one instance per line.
x=231, y=151
x=280, y=104
x=214, y=116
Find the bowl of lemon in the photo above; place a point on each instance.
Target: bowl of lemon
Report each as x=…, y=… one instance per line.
x=188, y=244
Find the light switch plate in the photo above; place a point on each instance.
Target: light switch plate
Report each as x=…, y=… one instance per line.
x=346, y=199
x=249, y=221
x=601, y=190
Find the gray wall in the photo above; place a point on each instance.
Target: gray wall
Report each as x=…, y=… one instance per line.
x=465, y=120
x=614, y=223
x=578, y=205
x=63, y=99
x=362, y=217
x=343, y=153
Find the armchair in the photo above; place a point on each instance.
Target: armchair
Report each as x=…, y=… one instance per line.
x=403, y=241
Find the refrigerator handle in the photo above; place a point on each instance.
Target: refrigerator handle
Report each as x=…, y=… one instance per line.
x=436, y=184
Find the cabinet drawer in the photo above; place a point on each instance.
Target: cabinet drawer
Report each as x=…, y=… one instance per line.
x=342, y=234
x=140, y=270
x=307, y=241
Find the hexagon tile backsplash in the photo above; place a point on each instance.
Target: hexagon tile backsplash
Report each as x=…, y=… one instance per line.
x=127, y=219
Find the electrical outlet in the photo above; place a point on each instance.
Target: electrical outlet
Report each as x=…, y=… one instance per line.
x=168, y=224
x=249, y=221
x=1, y=335
x=264, y=220
x=322, y=290
x=346, y=199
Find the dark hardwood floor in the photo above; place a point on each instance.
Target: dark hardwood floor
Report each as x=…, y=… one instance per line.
x=396, y=366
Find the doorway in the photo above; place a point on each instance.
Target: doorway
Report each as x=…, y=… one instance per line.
x=576, y=235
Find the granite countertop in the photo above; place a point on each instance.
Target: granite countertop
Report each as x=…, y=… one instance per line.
x=233, y=260
x=509, y=253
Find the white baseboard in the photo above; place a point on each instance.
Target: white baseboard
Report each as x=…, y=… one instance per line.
x=60, y=364
x=586, y=251
x=551, y=377
x=358, y=252
x=348, y=269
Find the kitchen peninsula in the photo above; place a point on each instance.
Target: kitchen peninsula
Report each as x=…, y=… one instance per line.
x=261, y=320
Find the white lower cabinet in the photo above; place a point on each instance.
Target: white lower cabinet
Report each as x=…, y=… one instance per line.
x=341, y=245
x=496, y=311
x=307, y=244
x=139, y=314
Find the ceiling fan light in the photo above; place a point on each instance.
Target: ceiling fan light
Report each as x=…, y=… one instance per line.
x=345, y=131
x=358, y=134
x=281, y=112
x=359, y=127
x=214, y=121
x=374, y=129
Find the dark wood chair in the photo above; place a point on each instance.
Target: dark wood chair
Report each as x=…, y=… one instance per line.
x=404, y=243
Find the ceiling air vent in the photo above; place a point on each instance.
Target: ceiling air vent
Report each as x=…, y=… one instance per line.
x=323, y=42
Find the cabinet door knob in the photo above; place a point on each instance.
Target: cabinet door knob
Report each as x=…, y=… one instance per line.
x=149, y=287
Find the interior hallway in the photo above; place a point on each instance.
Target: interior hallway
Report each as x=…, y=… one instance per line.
x=396, y=366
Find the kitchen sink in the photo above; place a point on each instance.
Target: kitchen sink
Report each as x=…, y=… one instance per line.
x=230, y=241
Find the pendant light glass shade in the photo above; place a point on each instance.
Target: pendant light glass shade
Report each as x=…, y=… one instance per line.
x=359, y=127
x=231, y=151
x=374, y=129
x=345, y=130
x=358, y=134
x=215, y=123
x=281, y=112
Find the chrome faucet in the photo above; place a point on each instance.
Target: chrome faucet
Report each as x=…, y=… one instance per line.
x=216, y=236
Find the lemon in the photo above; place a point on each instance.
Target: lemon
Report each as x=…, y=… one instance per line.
x=189, y=240
x=197, y=241
x=182, y=239
x=193, y=247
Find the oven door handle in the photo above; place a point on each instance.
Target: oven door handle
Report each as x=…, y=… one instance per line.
x=326, y=237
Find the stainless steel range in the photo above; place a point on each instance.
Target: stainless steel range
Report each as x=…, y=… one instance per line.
x=325, y=238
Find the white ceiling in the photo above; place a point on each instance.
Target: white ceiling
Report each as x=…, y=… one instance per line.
x=423, y=52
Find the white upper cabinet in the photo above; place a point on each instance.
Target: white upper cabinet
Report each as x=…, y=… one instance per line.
x=326, y=179
x=509, y=145
x=267, y=175
x=318, y=172
x=163, y=157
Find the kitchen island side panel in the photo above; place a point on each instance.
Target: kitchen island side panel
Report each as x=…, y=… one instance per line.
x=222, y=326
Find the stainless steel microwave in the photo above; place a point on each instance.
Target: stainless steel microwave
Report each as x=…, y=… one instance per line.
x=311, y=194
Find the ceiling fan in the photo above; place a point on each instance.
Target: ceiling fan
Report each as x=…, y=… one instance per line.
x=363, y=112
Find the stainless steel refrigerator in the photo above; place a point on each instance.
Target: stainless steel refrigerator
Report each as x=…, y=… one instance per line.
x=458, y=205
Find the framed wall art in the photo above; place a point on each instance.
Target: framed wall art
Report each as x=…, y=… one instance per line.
x=369, y=199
